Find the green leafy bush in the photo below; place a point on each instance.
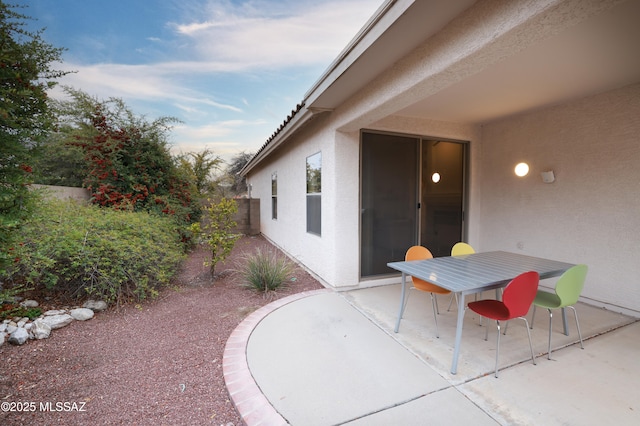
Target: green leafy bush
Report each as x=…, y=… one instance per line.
x=265, y=270
x=82, y=250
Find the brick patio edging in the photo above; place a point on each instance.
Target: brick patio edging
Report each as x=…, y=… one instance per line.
x=254, y=408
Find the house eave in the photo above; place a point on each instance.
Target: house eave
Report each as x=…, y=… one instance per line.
x=296, y=121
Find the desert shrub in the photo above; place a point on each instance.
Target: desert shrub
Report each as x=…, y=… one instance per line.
x=265, y=270
x=81, y=250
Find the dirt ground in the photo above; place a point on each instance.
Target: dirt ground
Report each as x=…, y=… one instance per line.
x=156, y=363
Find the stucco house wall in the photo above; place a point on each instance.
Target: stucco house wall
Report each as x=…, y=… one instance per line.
x=591, y=213
x=288, y=231
x=588, y=215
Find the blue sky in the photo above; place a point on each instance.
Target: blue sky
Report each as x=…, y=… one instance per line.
x=231, y=71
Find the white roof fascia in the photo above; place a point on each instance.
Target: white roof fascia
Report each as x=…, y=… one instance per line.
x=297, y=121
x=381, y=20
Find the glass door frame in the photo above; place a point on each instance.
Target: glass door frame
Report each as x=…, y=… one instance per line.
x=421, y=139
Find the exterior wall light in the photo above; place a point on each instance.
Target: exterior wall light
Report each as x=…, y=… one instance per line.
x=548, y=177
x=435, y=177
x=522, y=169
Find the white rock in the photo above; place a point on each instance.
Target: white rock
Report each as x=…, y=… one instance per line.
x=1, y=338
x=11, y=327
x=81, y=314
x=40, y=329
x=54, y=312
x=95, y=305
x=21, y=323
x=19, y=337
x=57, y=321
x=3, y=327
x=30, y=304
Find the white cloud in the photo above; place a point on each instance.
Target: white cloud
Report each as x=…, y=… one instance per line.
x=227, y=39
x=250, y=36
x=275, y=34
x=148, y=82
x=221, y=137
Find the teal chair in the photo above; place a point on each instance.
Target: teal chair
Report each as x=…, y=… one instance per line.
x=567, y=292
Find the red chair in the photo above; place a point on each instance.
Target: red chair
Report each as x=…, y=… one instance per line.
x=517, y=298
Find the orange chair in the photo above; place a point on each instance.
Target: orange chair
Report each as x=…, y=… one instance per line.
x=517, y=298
x=421, y=253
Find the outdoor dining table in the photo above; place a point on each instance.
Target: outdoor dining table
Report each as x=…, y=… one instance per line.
x=473, y=273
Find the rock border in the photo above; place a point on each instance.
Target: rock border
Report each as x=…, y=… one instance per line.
x=19, y=330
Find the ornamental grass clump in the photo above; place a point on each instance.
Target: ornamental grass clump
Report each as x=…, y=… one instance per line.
x=265, y=270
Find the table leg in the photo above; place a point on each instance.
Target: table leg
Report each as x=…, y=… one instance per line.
x=400, y=311
x=456, y=350
x=564, y=322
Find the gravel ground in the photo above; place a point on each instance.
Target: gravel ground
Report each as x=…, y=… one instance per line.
x=158, y=363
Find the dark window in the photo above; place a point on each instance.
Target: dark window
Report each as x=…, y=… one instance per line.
x=274, y=196
x=314, y=191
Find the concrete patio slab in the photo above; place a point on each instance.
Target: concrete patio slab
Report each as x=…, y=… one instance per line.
x=321, y=362
x=446, y=407
x=595, y=386
x=327, y=358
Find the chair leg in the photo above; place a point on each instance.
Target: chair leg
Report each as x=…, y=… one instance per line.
x=533, y=359
x=533, y=315
x=497, y=347
x=435, y=314
x=575, y=313
x=486, y=333
x=451, y=300
x=406, y=299
x=550, y=327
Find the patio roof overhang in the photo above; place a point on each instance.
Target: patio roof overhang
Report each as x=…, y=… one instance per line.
x=558, y=53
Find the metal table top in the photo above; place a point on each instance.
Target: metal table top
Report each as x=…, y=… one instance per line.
x=472, y=272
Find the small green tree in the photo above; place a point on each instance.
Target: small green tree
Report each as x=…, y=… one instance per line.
x=217, y=230
x=239, y=185
x=25, y=76
x=204, y=163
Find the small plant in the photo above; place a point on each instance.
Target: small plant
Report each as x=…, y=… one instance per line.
x=21, y=311
x=265, y=270
x=216, y=230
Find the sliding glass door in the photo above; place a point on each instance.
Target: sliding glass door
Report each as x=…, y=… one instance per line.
x=411, y=193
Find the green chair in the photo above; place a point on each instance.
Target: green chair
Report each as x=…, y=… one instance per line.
x=567, y=292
